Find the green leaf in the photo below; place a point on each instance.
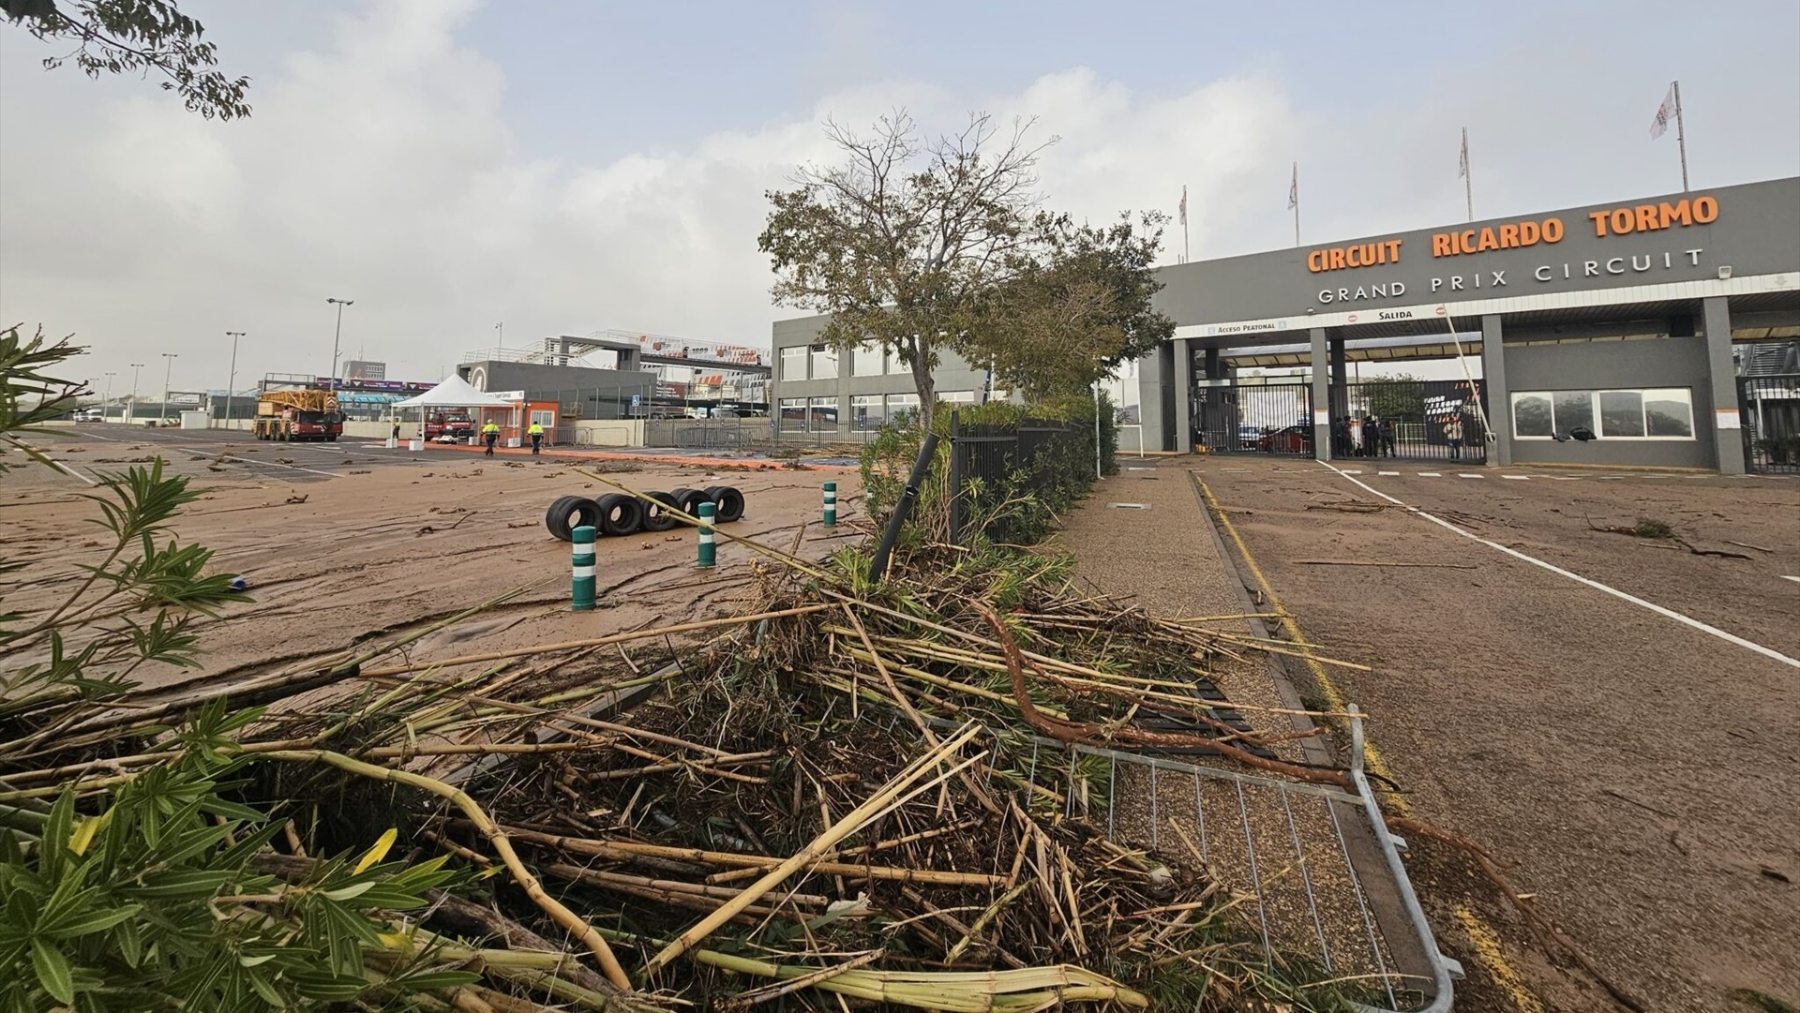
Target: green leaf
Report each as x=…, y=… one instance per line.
x=430, y=981
x=183, y=883
x=52, y=971
x=96, y=921
x=131, y=944
x=351, y=892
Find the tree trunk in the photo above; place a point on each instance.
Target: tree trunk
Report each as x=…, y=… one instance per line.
x=923, y=381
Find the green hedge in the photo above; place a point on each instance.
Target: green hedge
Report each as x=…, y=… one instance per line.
x=1033, y=494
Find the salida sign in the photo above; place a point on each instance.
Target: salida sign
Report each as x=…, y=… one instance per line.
x=1527, y=233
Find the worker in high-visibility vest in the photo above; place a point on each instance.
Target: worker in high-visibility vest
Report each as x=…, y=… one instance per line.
x=537, y=436
x=490, y=434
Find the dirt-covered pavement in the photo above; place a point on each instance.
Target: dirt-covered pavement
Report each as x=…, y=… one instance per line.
x=367, y=543
x=1640, y=768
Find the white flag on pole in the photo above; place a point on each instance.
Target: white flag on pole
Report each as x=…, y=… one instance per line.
x=1294, y=189
x=1184, y=205
x=1462, y=164
x=1664, y=113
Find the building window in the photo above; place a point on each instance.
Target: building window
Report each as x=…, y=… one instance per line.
x=1669, y=413
x=821, y=414
x=824, y=362
x=957, y=397
x=866, y=413
x=793, y=415
x=902, y=408
x=793, y=363
x=1661, y=413
x=1532, y=416
x=867, y=359
x=1573, y=408
x=547, y=419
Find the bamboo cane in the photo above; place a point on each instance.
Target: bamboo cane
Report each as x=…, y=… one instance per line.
x=849, y=824
x=569, y=920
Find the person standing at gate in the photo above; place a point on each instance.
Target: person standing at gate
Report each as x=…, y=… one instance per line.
x=1453, y=432
x=490, y=435
x=537, y=436
x=1386, y=428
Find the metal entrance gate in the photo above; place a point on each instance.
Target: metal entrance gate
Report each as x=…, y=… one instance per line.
x=1770, y=408
x=1420, y=420
x=1273, y=418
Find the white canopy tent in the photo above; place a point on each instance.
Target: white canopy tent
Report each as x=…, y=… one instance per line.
x=452, y=392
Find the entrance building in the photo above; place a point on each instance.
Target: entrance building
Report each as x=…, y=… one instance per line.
x=1600, y=335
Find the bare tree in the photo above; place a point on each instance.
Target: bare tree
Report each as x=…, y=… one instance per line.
x=906, y=242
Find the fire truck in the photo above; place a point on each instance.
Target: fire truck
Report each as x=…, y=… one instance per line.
x=305, y=414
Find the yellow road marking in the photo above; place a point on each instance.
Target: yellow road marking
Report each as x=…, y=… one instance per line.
x=1487, y=948
x=1371, y=756
x=1482, y=938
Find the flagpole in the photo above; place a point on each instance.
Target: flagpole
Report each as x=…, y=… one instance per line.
x=1468, y=176
x=1681, y=137
x=1296, y=203
x=1184, y=226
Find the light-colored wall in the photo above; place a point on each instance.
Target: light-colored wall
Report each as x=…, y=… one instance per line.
x=609, y=432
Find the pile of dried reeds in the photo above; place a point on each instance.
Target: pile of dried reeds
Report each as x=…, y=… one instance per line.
x=847, y=792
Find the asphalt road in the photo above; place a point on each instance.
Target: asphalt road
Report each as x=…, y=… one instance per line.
x=1639, y=769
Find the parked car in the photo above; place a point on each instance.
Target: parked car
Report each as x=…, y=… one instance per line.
x=90, y=415
x=1292, y=440
x=1248, y=437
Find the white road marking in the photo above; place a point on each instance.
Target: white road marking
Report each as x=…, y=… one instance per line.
x=1465, y=474
x=1354, y=471
x=1794, y=579
x=277, y=464
x=1563, y=478
x=1429, y=474
x=1517, y=478
x=1668, y=613
x=1612, y=478
x=1387, y=473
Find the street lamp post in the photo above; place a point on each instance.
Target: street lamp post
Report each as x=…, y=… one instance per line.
x=162, y=410
x=336, y=335
x=134, y=385
x=231, y=384
x=106, y=405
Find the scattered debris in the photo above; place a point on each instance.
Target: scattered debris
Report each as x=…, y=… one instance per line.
x=297, y=498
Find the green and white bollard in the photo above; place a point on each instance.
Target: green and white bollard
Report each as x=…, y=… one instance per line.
x=831, y=504
x=582, y=568
x=709, y=553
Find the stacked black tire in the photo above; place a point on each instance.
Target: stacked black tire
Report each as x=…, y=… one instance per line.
x=619, y=514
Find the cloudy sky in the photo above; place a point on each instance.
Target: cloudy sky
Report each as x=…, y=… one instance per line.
x=560, y=167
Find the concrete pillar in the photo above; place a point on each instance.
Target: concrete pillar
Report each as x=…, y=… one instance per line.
x=1499, y=400
x=1215, y=367
x=1340, y=389
x=1321, y=396
x=1184, y=396
x=1726, y=424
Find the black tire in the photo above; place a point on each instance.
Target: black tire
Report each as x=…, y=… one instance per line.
x=689, y=500
x=621, y=514
x=556, y=519
x=569, y=513
x=657, y=516
x=728, y=501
